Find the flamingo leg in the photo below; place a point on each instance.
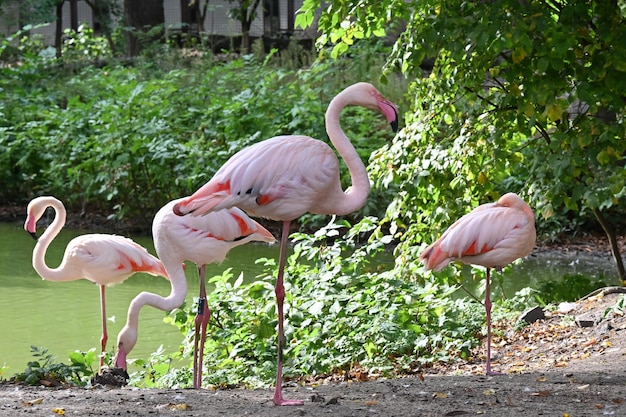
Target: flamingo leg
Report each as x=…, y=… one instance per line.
x=202, y=319
x=488, y=311
x=280, y=298
x=105, y=336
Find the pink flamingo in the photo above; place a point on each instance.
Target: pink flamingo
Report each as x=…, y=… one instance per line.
x=100, y=258
x=286, y=176
x=202, y=240
x=492, y=235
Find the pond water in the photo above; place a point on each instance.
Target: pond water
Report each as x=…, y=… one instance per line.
x=65, y=316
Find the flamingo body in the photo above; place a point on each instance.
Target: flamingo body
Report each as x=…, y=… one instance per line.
x=285, y=177
x=202, y=240
x=100, y=258
x=492, y=235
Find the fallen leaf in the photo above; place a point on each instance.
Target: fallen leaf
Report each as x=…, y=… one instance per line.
x=541, y=379
x=544, y=393
x=181, y=406
x=583, y=387
x=599, y=406
x=59, y=411
x=489, y=392
x=371, y=402
x=32, y=402
x=440, y=395
x=173, y=406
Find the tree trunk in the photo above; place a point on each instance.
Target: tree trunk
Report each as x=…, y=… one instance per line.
x=143, y=16
x=58, y=33
x=103, y=22
x=245, y=36
x=74, y=15
x=611, y=235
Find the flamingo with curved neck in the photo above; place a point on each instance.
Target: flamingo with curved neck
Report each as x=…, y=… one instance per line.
x=284, y=177
x=202, y=240
x=101, y=258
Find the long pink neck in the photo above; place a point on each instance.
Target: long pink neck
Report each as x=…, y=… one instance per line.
x=176, y=297
x=61, y=273
x=353, y=198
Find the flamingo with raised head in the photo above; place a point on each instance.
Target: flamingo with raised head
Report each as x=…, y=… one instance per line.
x=284, y=177
x=492, y=235
x=101, y=258
x=202, y=240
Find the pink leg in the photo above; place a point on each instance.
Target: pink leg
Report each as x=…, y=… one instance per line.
x=280, y=298
x=488, y=310
x=105, y=336
x=201, y=320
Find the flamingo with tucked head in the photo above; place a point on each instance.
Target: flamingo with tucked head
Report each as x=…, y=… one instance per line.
x=284, y=177
x=492, y=235
x=202, y=240
x=100, y=258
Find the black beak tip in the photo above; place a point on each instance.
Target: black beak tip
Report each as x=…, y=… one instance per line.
x=33, y=235
x=394, y=125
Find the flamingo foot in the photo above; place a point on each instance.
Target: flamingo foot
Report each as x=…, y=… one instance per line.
x=279, y=400
x=493, y=373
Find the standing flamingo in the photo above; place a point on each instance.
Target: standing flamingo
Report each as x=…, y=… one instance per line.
x=286, y=176
x=100, y=258
x=492, y=235
x=202, y=240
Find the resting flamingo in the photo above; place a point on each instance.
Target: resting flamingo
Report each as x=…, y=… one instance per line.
x=202, y=240
x=100, y=258
x=284, y=177
x=492, y=235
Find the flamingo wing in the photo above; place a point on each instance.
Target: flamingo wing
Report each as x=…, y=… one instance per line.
x=109, y=259
x=280, y=178
x=204, y=239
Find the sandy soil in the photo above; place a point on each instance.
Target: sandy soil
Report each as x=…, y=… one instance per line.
x=553, y=367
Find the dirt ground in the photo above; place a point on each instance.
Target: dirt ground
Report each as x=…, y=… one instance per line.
x=553, y=367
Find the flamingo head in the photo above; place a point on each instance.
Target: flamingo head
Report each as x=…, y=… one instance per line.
x=35, y=210
x=366, y=95
x=125, y=343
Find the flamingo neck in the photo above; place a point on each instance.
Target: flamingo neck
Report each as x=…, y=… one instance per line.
x=61, y=273
x=355, y=196
x=178, y=281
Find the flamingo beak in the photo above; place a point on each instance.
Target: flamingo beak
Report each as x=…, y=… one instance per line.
x=120, y=359
x=33, y=235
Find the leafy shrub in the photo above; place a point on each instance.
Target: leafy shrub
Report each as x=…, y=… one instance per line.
x=126, y=139
x=44, y=370
x=342, y=312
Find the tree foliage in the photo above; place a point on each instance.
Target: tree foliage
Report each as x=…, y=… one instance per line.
x=523, y=96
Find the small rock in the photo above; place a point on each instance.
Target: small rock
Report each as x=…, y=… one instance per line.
x=565, y=308
x=316, y=398
x=334, y=400
x=586, y=321
x=532, y=315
